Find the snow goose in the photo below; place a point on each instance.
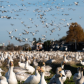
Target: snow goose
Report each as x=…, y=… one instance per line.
x=1, y=71
x=46, y=73
x=82, y=62
x=81, y=80
x=2, y=58
x=57, y=79
x=28, y=67
x=21, y=76
x=3, y=80
x=42, y=80
x=22, y=65
x=67, y=73
x=19, y=69
x=11, y=78
x=34, y=62
x=77, y=75
x=47, y=68
x=62, y=72
x=33, y=79
x=50, y=61
x=64, y=58
x=57, y=72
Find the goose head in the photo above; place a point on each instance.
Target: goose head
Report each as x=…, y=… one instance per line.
x=82, y=69
x=4, y=52
x=26, y=59
x=59, y=75
x=37, y=68
x=11, y=63
x=79, y=69
x=58, y=70
x=63, y=63
x=34, y=58
x=42, y=69
x=64, y=55
x=44, y=63
x=10, y=53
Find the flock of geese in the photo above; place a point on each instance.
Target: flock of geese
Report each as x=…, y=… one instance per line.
x=32, y=69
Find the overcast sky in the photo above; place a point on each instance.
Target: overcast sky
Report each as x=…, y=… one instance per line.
x=55, y=15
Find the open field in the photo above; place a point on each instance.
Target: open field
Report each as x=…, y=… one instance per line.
x=72, y=65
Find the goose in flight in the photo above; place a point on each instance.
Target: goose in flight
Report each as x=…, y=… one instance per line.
x=9, y=32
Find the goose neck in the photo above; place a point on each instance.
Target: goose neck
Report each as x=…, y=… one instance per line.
x=11, y=72
x=11, y=68
x=42, y=75
x=0, y=74
x=62, y=66
x=81, y=74
x=36, y=72
x=58, y=79
x=27, y=63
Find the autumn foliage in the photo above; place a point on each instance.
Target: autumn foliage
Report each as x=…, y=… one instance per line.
x=75, y=33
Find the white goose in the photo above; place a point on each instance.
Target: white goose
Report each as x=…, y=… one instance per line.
x=64, y=59
x=34, y=62
x=21, y=76
x=28, y=67
x=68, y=73
x=82, y=62
x=2, y=57
x=11, y=78
x=46, y=73
x=42, y=80
x=58, y=78
x=22, y=65
x=47, y=68
x=19, y=69
x=3, y=80
x=62, y=72
x=77, y=75
x=33, y=79
x=57, y=72
x=1, y=71
x=81, y=80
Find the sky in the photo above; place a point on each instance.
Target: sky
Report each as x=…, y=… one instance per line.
x=55, y=15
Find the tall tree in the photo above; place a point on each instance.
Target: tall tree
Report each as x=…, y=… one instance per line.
x=75, y=33
x=39, y=40
x=47, y=45
x=62, y=39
